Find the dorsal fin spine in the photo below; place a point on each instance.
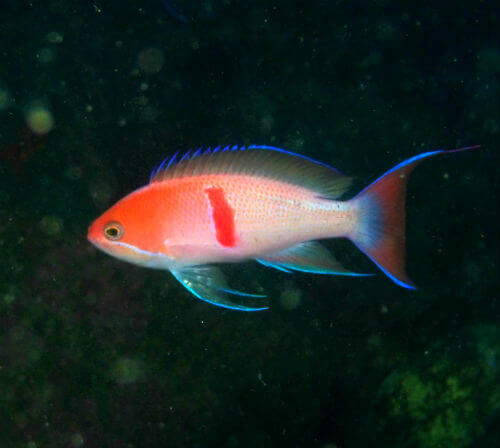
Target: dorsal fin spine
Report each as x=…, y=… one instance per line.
x=171, y=161
x=257, y=160
x=185, y=156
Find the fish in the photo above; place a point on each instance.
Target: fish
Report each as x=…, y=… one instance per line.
x=257, y=202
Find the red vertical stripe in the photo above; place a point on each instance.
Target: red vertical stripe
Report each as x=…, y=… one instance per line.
x=223, y=216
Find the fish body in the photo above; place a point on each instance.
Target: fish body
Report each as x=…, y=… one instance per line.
x=261, y=203
x=219, y=218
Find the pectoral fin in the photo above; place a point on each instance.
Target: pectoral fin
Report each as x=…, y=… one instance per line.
x=309, y=256
x=209, y=284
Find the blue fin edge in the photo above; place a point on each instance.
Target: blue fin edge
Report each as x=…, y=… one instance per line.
x=289, y=270
x=209, y=150
x=236, y=307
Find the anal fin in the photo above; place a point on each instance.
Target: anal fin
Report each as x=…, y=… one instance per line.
x=209, y=284
x=309, y=256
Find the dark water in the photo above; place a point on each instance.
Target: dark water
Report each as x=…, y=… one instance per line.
x=98, y=353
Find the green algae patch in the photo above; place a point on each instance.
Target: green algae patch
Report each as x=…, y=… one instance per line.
x=443, y=403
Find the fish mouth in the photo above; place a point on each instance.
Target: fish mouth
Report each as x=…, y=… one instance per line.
x=94, y=242
x=93, y=234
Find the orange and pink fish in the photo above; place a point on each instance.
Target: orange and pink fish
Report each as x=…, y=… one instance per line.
x=257, y=202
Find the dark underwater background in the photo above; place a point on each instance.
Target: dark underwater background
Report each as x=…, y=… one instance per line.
x=95, y=352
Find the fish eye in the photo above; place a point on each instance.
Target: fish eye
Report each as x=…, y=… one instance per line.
x=113, y=231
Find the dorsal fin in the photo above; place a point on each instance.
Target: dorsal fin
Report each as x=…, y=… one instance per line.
x=261, y=161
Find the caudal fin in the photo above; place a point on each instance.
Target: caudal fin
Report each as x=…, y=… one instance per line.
x=380, y=229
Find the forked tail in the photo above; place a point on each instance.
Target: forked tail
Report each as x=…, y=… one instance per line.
x=380, y=229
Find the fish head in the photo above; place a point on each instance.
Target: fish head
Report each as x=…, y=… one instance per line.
x=132, y=230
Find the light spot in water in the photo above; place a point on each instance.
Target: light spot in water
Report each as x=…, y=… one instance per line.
x=101, y=192
x=39, y=119
x=150, y=61
x=9, y=298
x=5, y=99
x=74, y=172
x=77, y=440
x=45, y=55
x=127, y=371
x=290, y=298
x=54, y=37
x=51, y=225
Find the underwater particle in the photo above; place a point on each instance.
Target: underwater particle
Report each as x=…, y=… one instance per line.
x=150, y=61
x=232, y=442
x=122, y=122
x=488, y=347
x=296, y=141
x=144, y=86
x=77, y=440
x=51, y=225
x=9, y=298
x=31, y=444
x=315, y=323
x=74, y=172
x=39, y=119
x=489, y=61
x=140, y=100
x=54, y=37
x=372, y=60
x=259, y=439
x=149, y=114
x=101, y=192
x=385, y=30
x=127, y=371
x=17, y=333
x=45, y=55
x=290, y=298
x=4, y=99
x=490, y=125
x=473, y=272
x=266, y=123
